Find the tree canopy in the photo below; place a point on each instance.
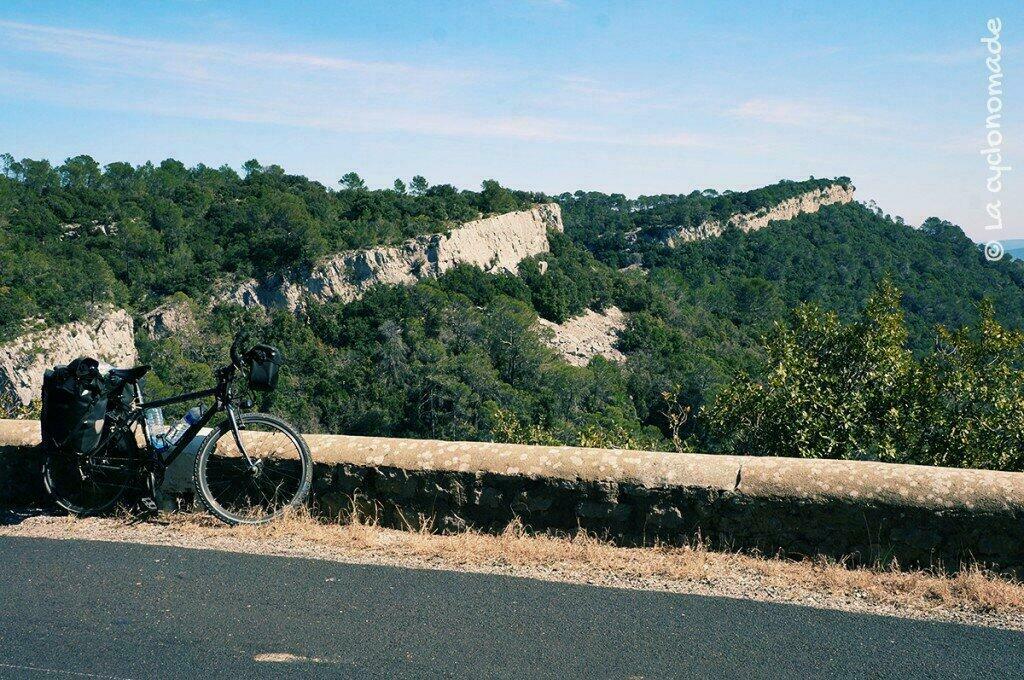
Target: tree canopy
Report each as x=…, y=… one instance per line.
x=78, y=233
x=842, y=333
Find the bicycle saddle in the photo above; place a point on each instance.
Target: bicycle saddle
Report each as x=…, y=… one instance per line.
x=129, y=374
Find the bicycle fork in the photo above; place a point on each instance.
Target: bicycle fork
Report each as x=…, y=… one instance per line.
x=235, y=432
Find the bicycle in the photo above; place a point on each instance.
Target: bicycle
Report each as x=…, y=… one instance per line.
x=250, y=477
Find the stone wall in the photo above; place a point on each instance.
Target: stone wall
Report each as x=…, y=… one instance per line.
x=21, y=482
x=916, y=515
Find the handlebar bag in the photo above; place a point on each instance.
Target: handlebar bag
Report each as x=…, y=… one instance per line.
x=264, y=364
x=74, y=406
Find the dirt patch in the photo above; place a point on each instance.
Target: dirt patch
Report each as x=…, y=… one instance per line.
x=972, y=596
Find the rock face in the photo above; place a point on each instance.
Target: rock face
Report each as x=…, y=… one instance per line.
x=174, y=316
x=94, y=228
x=809, y=202
x=109, y=337
x=591, y=334
x=494, y=244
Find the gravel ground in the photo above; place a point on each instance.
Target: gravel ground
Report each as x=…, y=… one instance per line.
x=707, y=573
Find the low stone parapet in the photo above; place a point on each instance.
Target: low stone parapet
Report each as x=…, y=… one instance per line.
x=868, y=511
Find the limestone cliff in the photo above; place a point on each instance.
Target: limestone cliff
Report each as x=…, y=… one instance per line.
x=809, y=202
x=109, y=336
x=495, y=244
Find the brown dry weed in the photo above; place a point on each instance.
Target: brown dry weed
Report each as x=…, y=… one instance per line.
x=972, y=594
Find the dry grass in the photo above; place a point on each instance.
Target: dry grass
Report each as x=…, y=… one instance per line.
x=583, y=557
x=972, y=595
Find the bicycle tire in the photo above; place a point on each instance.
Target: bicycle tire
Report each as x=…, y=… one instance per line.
x=58, y=481
x=212, y=493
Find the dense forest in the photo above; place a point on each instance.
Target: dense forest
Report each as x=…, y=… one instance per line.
x=619, y=230
x=77, y=234
x=716, y=330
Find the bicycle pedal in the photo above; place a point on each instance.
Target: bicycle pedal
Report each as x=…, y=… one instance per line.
x=148, y=503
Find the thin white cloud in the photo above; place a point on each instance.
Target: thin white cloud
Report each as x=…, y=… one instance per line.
x=672, y=140
x=363, y=121
x=948, y=58
x=799, y=113
x=106, y=47
x=102, y=71
x=596, y=92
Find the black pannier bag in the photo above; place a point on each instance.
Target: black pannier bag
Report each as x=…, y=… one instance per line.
x=74, y=406
x=121, y=394
x=120, y=401
x=264, y=365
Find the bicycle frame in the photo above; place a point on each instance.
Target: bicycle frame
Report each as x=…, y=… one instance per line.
x=222, y=402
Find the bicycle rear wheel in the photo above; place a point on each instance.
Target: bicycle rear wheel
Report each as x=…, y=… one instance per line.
x=239, y=492
x=84, y=485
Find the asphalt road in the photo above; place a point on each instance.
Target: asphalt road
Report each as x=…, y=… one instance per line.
x=86, y=609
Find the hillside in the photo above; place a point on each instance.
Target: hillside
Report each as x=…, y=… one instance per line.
x=459, y=357
x=76, y=234
x=835, y=258
x=612, y=226
x=457, y=350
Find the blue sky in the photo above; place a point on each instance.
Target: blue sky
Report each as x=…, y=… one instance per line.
x=550, y=95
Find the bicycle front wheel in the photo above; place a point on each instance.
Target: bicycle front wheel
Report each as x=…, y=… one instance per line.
x=255, y=487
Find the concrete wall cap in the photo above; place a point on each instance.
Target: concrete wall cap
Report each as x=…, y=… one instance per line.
x=813, y=480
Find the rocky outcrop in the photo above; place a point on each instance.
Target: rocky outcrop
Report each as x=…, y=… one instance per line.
x=109, y=336
x=93, y=228
x=495, y=244
x=173, y=317
x=809, y=202
x=584, y=337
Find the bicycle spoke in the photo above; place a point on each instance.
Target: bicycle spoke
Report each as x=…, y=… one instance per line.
x=256, y=484
x=284, y=473
x=277, y=478
x=86, y=485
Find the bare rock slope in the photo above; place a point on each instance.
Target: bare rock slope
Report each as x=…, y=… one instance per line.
x=495, y=244
x=109, y=336
x=591, y=334
x=172, y=317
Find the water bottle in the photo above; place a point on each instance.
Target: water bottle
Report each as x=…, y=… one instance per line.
x=190, y=419
x=156, y=427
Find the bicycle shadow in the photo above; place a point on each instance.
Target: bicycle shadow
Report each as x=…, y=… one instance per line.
x=15, y=516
